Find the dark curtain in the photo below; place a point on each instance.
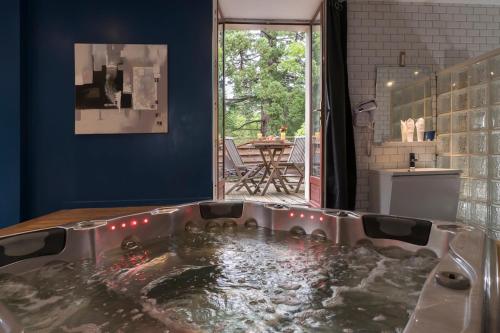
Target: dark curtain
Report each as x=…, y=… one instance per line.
x=340, y=156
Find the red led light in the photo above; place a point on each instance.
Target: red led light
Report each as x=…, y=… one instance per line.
x=113, y=227
x=133, y=223
x=123, y=225
x=145, y=221
x=301, y=216
x=292, y=214
x=312, y=217
x=321, y=218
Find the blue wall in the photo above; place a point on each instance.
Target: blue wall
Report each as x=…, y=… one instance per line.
x=61, y=170
x=10, y=131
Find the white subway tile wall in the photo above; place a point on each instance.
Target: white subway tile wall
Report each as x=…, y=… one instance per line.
x=434, y=35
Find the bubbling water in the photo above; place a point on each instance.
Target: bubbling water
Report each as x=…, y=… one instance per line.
x=224, y=279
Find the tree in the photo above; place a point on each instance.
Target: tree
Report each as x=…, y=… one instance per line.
x=265, y=79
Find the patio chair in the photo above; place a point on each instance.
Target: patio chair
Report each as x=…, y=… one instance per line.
x=236, y=167
x=295, y=163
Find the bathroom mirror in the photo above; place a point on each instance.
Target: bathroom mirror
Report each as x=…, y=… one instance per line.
x=402, y=93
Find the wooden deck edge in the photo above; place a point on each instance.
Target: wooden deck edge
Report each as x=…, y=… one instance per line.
x=71, y=215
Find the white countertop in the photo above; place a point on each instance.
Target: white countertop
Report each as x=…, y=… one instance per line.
x=417, y=172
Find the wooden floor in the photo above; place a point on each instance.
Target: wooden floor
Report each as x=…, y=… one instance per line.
x=271, y=196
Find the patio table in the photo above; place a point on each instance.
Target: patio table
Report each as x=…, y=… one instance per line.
x=271, y=153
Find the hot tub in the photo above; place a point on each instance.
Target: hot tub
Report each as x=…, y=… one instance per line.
x=249, y=267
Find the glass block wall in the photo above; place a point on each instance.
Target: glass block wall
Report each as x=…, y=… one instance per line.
x=468, y=136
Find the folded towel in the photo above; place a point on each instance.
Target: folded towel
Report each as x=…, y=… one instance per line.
x=410, y=129
x=420, y=125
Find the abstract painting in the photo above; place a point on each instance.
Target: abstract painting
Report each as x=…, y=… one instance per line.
x=120, y=88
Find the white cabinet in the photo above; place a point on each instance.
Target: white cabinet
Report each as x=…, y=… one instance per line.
x=427, y=193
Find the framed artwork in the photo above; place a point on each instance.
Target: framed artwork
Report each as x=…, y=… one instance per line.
x=120, y=88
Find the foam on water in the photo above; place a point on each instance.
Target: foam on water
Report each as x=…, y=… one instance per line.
x=226, y=280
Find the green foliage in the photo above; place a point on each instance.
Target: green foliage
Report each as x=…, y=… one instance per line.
x=265, y=79
x=302, y=130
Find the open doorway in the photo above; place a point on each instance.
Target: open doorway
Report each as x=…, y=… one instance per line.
x=264, y=84
x=269, y=105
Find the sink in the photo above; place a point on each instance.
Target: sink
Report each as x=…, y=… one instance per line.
x=428, y=193
x=418, y=171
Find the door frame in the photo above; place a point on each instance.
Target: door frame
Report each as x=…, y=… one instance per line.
x=306, y=26
x=215, y=96
x=317, y=183
x=217, y=185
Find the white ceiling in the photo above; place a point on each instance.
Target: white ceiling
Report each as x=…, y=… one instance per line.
x=302, y=10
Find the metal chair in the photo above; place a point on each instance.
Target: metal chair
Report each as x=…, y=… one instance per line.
x=236, y=167
x=295, y=163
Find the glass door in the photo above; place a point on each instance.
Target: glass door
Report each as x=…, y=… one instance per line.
x=316, y=111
